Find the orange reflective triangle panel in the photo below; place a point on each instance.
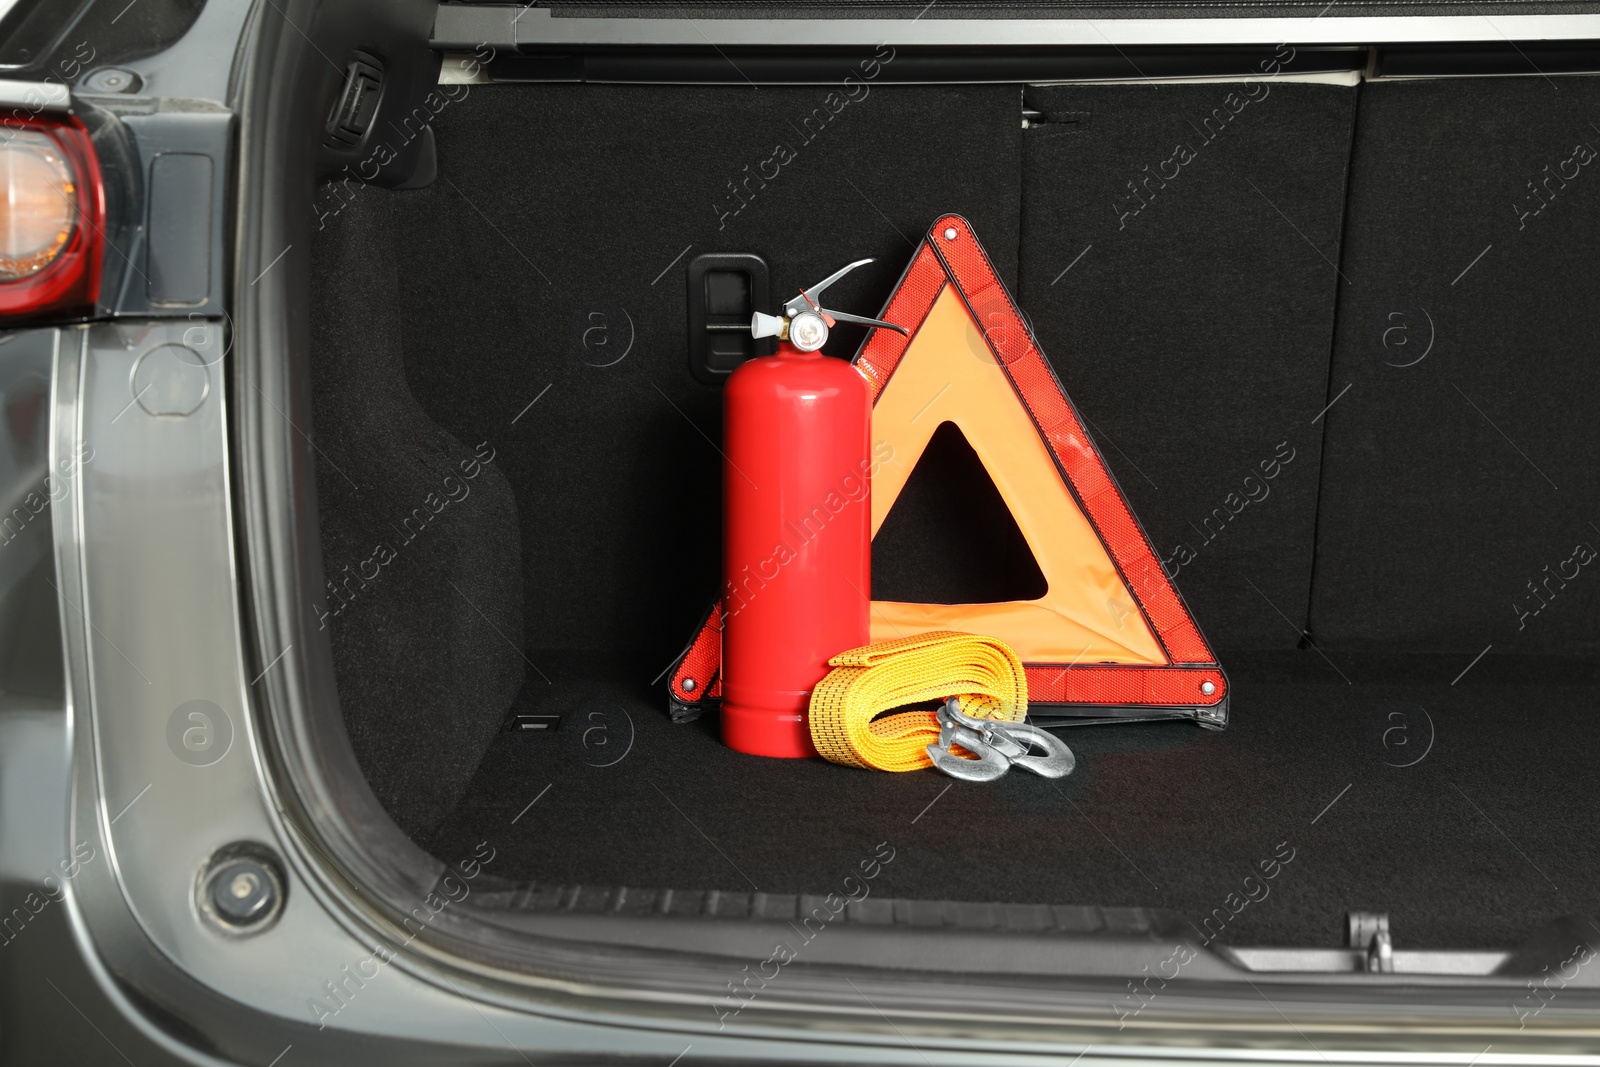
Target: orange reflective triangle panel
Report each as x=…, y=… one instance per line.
x=1110, y=631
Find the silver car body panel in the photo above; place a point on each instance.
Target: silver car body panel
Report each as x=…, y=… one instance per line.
x=463, y=27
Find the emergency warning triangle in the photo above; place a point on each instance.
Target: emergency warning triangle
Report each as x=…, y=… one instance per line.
x=948, y=374
x=1110, y=637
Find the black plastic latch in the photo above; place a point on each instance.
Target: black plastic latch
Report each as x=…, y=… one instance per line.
x=353, y=111
x=524, y=722
x=725, y=289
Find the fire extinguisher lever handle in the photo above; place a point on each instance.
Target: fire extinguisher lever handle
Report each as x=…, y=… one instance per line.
x=862, y=320
x=805, y=322
x=808, y=298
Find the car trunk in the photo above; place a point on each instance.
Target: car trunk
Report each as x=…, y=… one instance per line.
x=1377, y=292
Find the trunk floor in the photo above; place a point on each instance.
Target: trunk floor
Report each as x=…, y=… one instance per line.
x=1466, y=810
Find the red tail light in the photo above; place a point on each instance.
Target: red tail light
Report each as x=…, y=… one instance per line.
x=52, y=218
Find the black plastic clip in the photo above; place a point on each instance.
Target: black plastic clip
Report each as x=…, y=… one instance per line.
x=725, y=289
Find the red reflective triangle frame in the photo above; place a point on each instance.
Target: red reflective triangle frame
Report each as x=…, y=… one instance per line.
x=950, y=255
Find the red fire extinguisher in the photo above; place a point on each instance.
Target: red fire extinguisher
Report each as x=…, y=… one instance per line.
x=797, y=526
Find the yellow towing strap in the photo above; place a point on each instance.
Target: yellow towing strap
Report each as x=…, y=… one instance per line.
x=983, y=672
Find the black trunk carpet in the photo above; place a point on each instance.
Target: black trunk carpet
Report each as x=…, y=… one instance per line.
x=1464, y=808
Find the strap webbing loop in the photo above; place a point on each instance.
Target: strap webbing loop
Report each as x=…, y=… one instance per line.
x=983, y=672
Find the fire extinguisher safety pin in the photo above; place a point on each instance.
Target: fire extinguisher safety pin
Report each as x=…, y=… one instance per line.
x=998, y=746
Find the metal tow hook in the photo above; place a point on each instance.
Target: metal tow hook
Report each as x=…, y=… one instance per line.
x=998, y=746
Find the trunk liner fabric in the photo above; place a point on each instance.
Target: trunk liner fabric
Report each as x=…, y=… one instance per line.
x=1484, y=834
x=425, y=624
x=1177, y=262
x=1461, y=476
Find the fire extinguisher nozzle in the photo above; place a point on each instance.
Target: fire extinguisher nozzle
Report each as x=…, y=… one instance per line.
x=763, y=325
